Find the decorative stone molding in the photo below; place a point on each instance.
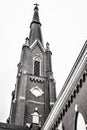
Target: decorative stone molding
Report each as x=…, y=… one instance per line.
x=36, y=91
x=37, y=41
x=37, y=79
x=69, y=91
x=35, y=102
x=73, y=95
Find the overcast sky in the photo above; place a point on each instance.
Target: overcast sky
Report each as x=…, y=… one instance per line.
x=64, y=26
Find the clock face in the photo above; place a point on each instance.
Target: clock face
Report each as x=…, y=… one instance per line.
x=36, y=91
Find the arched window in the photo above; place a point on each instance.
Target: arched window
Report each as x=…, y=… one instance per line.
x=35, y=116
x=37, y=66
x=79, y=122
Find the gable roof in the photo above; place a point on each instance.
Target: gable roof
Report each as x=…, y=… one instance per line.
x=68, y=87
x=35, y=43
x=82, y=55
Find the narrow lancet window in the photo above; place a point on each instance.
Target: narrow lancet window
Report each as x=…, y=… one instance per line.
x=36, y=68
x=37, y=65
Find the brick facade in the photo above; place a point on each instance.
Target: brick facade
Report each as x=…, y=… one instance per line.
x=33, y=91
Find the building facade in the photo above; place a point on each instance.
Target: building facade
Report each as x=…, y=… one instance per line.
x=33, y=105
x=34, y=93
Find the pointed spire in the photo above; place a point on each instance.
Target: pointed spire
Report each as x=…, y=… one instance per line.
x=35, y=16
x=35, y=27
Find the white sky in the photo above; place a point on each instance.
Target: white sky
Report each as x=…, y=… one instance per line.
x=64, y=26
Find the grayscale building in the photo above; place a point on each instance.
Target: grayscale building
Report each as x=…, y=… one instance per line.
x=34, y=93
x=34, y=105
x=70, y=109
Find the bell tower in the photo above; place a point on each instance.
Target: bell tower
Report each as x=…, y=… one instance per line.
x=34, y=93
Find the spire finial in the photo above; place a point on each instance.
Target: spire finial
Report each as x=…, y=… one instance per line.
x=36, y=6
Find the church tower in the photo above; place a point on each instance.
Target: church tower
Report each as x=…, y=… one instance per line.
x=34, y=93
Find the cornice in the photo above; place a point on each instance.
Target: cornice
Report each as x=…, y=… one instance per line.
x=83, y=53
x=67, y=105
x=37, y=79
x=71, y=87
x=70, y=100
x=35, y=102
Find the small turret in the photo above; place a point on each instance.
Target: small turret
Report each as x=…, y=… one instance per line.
x=48, y=59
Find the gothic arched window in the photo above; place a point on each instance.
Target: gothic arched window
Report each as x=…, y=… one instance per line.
x=80, y=122
x=36, y=66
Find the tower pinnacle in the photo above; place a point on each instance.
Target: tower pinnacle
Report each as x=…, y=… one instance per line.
x=35, y=27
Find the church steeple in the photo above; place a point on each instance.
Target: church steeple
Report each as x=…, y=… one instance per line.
x=35, y=86
x=35, y=27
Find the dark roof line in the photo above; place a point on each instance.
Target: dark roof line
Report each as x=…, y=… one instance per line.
x=73, y=69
